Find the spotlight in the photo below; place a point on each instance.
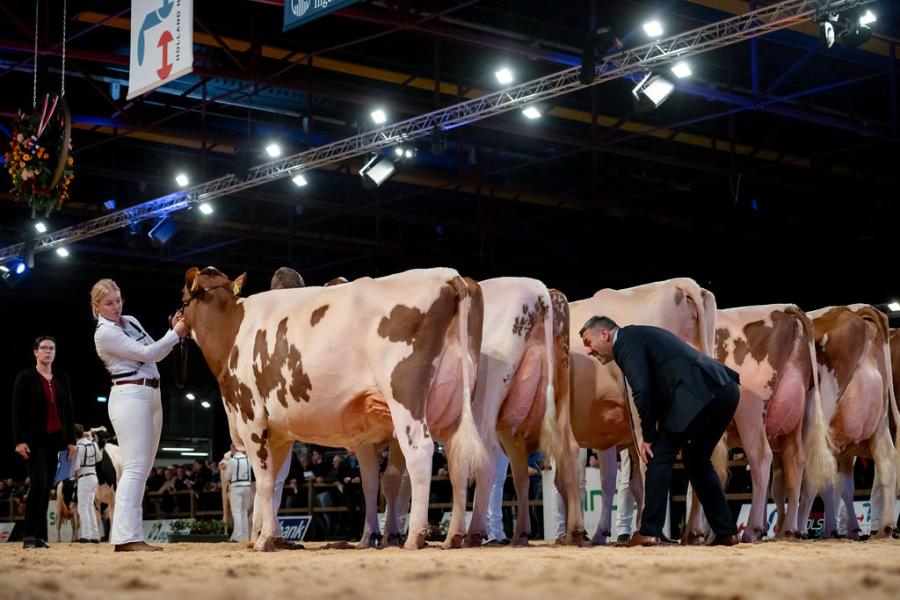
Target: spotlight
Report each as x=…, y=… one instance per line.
x=204, y=404
x=206, y=208
x=163, y=231
x=867, y=18
x=20, y=268
x=379, y=116
x=182, y=180
x=653, y=28
x=102, y=399
x=62, y=252
x=854, y=36
x=504, y=76
x=4, y=269
x=190, y=396
x=409, y=154
x=894, y=306
x=398, y=151
x=376, y=171
x=681, y=70
x=826, y=33
x=299, y=180
x=532, y=112
x=40, y=227
x=110, y=204
x=652, y=91
x=273, y=150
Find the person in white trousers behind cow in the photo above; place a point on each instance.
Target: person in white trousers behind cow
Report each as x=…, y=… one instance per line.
x=239, y=492
x=87, y=455
x=130, y=357
x=496, y=536
x=624, y=499
x=285, y=278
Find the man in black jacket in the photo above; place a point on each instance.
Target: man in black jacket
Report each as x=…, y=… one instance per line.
x=42, y=425
x=685, y=401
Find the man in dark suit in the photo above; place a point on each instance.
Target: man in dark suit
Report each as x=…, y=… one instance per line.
x=42, y=425
x=685, y=401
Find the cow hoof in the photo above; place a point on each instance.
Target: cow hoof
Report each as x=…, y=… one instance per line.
x=373, y=541
x=854, y=535
x=453, y=541
x=885, y=532
x=264, y=545
x=416, y=542
x=473, y=540
x=692, y=538
x=392, y=540
x=577, y=538
x=751, y=536
x=340, y=546
x=520, y=540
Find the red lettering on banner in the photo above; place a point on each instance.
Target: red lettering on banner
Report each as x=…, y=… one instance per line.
x=163, y=43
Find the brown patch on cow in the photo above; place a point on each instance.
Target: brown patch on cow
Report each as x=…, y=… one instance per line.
x=846, y=333
x=722, y=344
x=741, y=350
x=425, y=430
x=560, y=305
x=263, y=442
x=476, y=318
x=317, y=315
x=267, y=367
x=523, y=325
x=773, y=343
x=679, y=296
x=233, y=359
x=409, y=435
x=425, y=332
x=337, y=281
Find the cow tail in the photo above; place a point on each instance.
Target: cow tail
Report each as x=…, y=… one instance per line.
x=720, y=460
x=708, y=318
x=467, y=450
x=821, y=466
x=550, y=440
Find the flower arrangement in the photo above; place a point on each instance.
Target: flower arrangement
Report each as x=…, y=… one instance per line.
x=40, y=162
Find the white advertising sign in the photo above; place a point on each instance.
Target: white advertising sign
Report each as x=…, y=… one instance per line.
x=162, y=50
x=5, y=531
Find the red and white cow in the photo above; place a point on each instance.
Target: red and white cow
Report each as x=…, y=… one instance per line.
x=600, y=410
x=772, y=348
x=855, y=381
x=346, y=366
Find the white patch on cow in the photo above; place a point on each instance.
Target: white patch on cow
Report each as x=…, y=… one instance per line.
x=828, y=390
x=824, y=342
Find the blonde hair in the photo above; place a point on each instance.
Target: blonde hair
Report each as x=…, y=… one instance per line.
x=100, y=289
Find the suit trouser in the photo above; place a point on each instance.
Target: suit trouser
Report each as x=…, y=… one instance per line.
x=87, y=516
x=136, y=415
x=41, y=468
x=697, y=443
x=240, y=504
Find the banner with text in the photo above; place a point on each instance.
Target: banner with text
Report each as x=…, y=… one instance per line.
x=162, y=47
x=298, y=12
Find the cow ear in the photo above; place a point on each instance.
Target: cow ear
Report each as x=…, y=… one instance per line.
x=238, y=283
x=189, y=277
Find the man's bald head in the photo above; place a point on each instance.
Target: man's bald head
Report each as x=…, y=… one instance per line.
x=286, y=278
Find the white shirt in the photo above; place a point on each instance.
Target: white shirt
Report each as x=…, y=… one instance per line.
x=239, y=470
x=87, y=456
x=130, y=349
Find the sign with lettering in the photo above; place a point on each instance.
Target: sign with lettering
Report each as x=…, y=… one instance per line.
x=298, y=12
x=162, y=43
x=294, y=529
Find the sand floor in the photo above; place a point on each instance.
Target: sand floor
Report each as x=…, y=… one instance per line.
x=832, y=569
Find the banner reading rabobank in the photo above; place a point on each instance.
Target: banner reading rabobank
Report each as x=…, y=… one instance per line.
x=162, y=48
x=298, y=12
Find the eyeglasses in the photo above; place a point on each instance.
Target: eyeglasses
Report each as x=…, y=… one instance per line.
x=47, y=348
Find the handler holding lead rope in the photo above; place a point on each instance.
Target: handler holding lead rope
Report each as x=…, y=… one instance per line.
x=130, y=357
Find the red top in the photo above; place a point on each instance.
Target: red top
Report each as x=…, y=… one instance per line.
x=53, y=423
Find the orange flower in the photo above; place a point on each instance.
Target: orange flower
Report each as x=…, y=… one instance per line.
x=70, y=161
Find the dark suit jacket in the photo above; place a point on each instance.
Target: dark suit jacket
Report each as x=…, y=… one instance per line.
x=29, y=414
x=670, y=380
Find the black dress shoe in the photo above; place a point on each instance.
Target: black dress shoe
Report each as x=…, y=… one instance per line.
x=640, y=540
x=725, y=540
x=666, y=541
x=495, y=542
x=623, y=537
x=33, y=542
x=82, y=541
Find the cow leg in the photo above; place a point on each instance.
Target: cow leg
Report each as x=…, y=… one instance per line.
x=391, y=487
x=417, y=447
x=752, y=432
x=265, y=458
x=569, y=470
x=608, y=473
x=368, y=470
x=883, y=454
x=845, y=479
x=778, y=491
x=459, y=481
x=794, y=461
x=518, y=461
x=484, y=483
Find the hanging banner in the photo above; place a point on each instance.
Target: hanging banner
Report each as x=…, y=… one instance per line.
x=162, y=49
x=298, y=12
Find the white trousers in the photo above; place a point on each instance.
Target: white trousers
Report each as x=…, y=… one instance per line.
x=280, y=478
x=87, y=516
x=240, y=504
x=495, y=503
x=136, y=415
x=624, y=497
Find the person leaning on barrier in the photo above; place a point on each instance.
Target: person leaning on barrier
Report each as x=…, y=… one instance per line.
x=685, y=401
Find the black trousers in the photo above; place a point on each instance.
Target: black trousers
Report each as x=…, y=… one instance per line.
x=41, y=467
x=697, y=443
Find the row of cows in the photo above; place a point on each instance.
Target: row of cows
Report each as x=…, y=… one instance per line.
x=429, y=355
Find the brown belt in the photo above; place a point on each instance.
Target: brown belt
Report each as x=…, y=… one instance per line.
x=154, y=383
